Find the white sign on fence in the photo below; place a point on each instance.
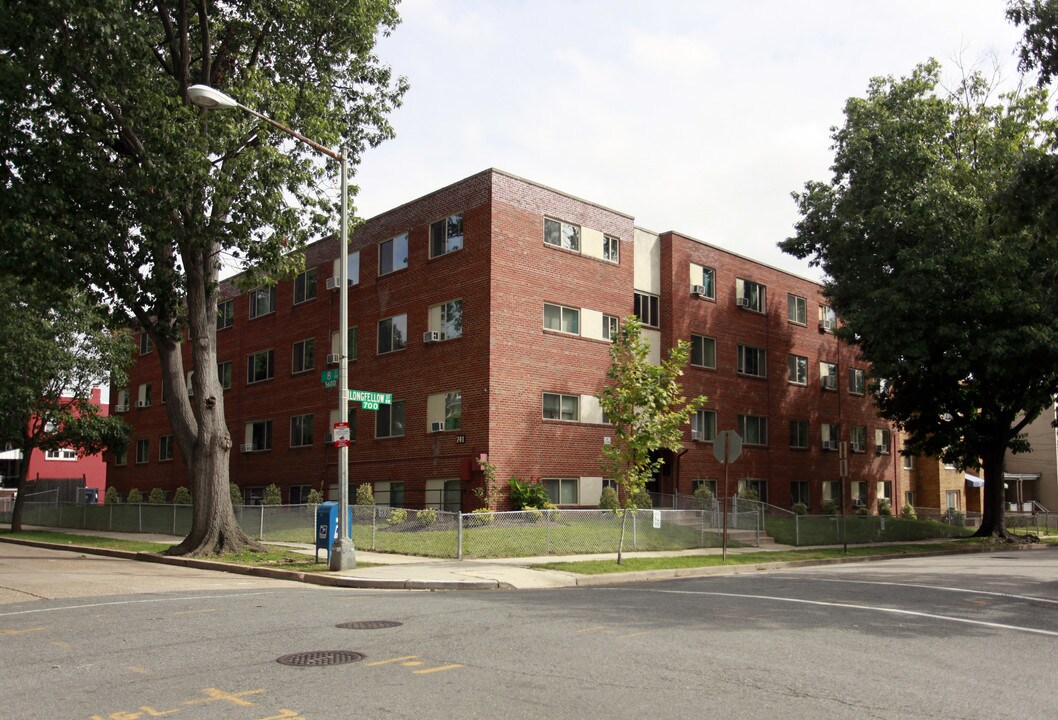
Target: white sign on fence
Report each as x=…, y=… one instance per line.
x=657, y=519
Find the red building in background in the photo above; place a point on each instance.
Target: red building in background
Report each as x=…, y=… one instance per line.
x=486, y=309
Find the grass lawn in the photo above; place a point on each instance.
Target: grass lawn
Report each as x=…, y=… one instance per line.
x=600, y=567
x=280, y=558
x=827, y=530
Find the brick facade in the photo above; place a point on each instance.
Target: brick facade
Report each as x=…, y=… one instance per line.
x=506, y=359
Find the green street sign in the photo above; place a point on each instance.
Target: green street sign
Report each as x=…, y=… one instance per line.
x=369, y=405
x=366, y=396
x=329, y=377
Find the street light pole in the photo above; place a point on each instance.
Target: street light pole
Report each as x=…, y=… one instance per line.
x=343, y=556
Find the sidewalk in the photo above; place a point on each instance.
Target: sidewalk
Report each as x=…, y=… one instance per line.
x=405, y=572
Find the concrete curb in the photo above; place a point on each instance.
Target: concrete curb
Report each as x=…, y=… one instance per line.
x=273, y=573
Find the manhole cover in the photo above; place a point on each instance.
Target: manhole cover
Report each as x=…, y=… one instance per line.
x=369, y=625
x=320, y=658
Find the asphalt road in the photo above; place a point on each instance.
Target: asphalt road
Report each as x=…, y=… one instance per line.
x=972, y=636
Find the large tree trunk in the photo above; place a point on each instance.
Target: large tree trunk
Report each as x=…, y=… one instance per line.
x=993, y=517
x=201, y=432
x=20, y=487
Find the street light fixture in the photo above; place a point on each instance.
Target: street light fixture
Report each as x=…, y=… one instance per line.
x=343, y=556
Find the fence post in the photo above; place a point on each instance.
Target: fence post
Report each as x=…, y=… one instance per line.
x=139, y=517
x=374, y=516
x=260, y=531
x=635, y=513
x=547, y=532
x=459, y=537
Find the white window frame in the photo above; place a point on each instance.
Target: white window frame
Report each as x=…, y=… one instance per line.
x=828, y=319
x=797, y=369
x=395, y=341
x=301, y=430
x=143, y=451
x=858, y=439
x=566, y=315
x=165, y=448
x=564, y=400
x=828, y=375
x=882, y=441
x=830, y=436
x=262, y=301
x=388, y=413
x=799, y=436
x=755, y=295
x=305, y=286
x=611, y=249
x=760, y=356
x=225, y=314
x=709, y=282
x=562, y=234
x=390, y=249
x=303, y=356
x=703, y=426
x=259, y=444
x=856, y=381
x=761, y=429
x=225, y=379
x=703, y=341
x=146, y=346
x=647, y=309
x=611, y=325
x=251, y=366
x=796, y=309
x=442, y=238
x=561, y=485
x=62, y=454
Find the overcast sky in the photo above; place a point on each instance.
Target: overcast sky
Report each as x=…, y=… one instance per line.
x=697, y=116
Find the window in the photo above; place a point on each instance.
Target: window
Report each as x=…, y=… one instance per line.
x=165, y=447
x=750, y=487
x=648, y=310
x=909, y=498
x=561, y=407
x=610, y=327
x=304, y=352
x=708, y=283
x=225, y=314
x=750, y=295
x=832, y=492
x=301, y=430
x=799, y=433
x=856, y=381
x=698, y=482
x=165, y=392
x=393, y=496
x=753, y=429
x=446, y=235
x=352, y=342
x=858, y=492
x=908, y=462
x=143, y=451
x=447, y=318
x=858, y=439
x=352, y=271
x=305, y=286
x=389, y=420
x=145, y=344
x=830, y=433
x=392, y=333
x=752, y=361
x=796, y=309
x=561, y=318
x=144, y=397
x=562, y=491
x=259, y=435
x=253, y=495
x=885, y=490
x=827, y=319
x=881, y=441
x=393, y=254
x=561, y=234
x=703, y=425
x=121, y=458
x=444, y=411
x=828, y=376
x=61, y=454
x=259, y=366
x=703, y=351
x=799, y=492
x=299, y=494
x=262, y=301
x=224, y=374
x=798, y=368
x=611, y=249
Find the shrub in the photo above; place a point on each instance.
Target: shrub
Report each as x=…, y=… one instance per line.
x=314, y=497
x=908, y=511
x=135, y=496
x=272, y=496
x=703, y=498
x=426, y=517
x=364, y=494
x=800, y=508
x=641, y=499
x=884, y=509
x=236, y=494
x=525, y=495
x=396, y=516
x=532, y=514
x=156, y=497
x=480, y=516
x=829, y=507
x=111, y=495
x=954, y=517
x=749, y=494
x=608, y=499
x=182, y=496
x=862, y=511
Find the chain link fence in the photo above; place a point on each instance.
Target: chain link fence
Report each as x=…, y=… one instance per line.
x=788, y=528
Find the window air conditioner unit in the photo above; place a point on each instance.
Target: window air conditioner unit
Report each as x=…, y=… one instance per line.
x=697, y=435
x=333, y=283
x=431, y=336
x=698, y=290
x=881, y=449
x=332, y=358
x=143, y=403
x=121, y=408
x=437, y=427
x=246, y=447
x=858, y=502
x=830, y=444
x=743, y=302
x=828, y=381
x=856, y=447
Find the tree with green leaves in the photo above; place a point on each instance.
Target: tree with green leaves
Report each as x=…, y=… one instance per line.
x=113, y=181
x=940, y=260
x=1039, y=46
x=645, y=405
x=55, y=349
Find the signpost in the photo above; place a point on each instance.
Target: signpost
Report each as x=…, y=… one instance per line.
x=726, y=448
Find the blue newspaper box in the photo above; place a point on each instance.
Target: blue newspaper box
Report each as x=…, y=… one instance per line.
x=327, y=527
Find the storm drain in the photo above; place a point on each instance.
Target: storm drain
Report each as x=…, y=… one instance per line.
x=320, y=658
x=369, y=625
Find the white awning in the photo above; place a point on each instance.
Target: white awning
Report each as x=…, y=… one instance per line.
x=11, y=455
x=974, y=481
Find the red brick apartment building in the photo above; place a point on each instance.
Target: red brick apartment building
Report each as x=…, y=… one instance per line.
x=485, y=308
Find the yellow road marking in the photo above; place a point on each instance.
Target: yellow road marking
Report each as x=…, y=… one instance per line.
x=436, y=669
x=213, y=694
x=138, y=669
x=195, y=612
x=22, y=632
x=636, y=634
x=413, y=663
x=392, y=660
x=61, y=644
